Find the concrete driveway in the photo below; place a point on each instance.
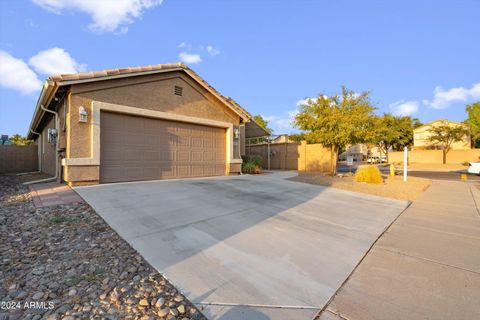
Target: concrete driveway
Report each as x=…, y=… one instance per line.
x=247, y=247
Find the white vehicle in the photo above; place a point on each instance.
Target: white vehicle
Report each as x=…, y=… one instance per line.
x=474, y=167
x=377, y=159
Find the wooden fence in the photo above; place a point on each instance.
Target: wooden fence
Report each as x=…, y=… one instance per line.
x=15, y=159
x=293, y=156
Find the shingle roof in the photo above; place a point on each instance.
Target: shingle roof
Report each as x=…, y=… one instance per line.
x=133, y=71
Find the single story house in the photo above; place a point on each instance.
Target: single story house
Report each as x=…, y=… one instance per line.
x=422, y=134
x=139, y=123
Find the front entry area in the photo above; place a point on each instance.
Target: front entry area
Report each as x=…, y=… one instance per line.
x=138, y=148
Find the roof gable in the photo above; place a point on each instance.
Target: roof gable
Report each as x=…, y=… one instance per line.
x=104, y=75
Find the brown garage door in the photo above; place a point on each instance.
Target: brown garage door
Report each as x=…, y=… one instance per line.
x=139, y=148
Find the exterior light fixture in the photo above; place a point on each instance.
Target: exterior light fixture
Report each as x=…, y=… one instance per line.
x=236, y=133
x=82, y=114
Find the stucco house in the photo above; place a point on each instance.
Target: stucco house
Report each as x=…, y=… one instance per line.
x=422, y=134
x=139, y=123
x=360, y=152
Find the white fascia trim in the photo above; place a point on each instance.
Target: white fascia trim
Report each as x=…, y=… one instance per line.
x=98, y=106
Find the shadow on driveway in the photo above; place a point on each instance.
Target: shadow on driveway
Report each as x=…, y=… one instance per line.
x=247, y=247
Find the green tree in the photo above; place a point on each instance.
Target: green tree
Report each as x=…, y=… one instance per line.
x=473, y=121
x=444, y=134
x=335, y=121
x=391, y=132
x=262, y=122
x=297, y=137
x=19, y=140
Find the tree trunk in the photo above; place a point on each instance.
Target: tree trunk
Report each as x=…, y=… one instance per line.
x=333, y=160
x=444, y=156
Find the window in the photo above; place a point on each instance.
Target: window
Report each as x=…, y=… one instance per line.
x=178, y=91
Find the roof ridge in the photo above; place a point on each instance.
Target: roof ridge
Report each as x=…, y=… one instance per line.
x=106, y=73
x=115, y=71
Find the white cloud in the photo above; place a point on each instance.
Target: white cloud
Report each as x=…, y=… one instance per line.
x=404, y=108
x=189, y=58
x=304, y=101
x=107, y=15
x=55, y=61
x=442, y=98
x=31, y=24
x=213, y=51
x=283, y=123
x=185, y=45
x=15, y=74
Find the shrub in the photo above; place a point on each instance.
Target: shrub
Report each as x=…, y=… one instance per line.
x=255, y=159
x=250, y=167
x=368, y=174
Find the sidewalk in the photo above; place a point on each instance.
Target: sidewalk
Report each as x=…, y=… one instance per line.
x=426, y=266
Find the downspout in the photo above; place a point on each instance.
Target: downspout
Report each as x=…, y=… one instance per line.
x=55, y=114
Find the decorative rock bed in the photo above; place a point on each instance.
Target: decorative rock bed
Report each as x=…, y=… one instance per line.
x=65, y=262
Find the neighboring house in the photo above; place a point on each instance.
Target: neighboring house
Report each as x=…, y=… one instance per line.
x=421, y=135
x=360, y=152
x=4, y=140
x=283, y=138
x=140, y=123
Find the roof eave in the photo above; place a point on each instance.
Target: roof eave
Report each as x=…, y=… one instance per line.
x=48, y=91
x=244, y=115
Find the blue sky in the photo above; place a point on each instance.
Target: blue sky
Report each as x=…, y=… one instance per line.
x=416, y=57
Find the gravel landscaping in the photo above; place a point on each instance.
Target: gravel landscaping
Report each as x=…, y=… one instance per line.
x=65, y=262
x=392, y=187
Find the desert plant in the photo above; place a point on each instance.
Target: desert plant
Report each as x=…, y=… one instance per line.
x=254, y=158
x=368, y=174
x=250, y=167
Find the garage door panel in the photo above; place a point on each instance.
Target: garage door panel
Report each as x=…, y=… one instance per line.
x=197, y=156
x=208, y=156
x=219, y=169
x=137, y=148
x=183, y=155
x=183, y=171
x=152, y=156
x=167, y=156
x=183, y=140
x=168, y=172
x=197, y=142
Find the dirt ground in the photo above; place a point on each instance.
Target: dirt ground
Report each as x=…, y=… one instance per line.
x=31, y=176
x=392, y=187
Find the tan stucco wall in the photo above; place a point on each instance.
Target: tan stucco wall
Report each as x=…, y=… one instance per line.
x=14, y=159
x=80, y=133
x=436, y=156
x=47, y=150
x=235, y=168
x=293, y=156
x=62, y=132
x=242, y=140
x=154, y=92
x=75, y=174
